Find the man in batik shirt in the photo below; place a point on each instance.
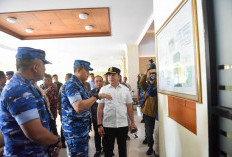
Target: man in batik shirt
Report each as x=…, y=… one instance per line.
x=52, y=94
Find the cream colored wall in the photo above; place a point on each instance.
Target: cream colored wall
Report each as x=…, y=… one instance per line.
x=175, y=140
x=132, y=65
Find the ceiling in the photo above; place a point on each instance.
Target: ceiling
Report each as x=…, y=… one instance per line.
x=128, y=19
x=59, y=23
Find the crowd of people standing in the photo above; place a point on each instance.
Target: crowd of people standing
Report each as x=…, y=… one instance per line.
x=29, y=112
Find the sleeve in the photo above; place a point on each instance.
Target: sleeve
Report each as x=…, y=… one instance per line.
x=142, y=83
x=73, y=93
x=129, y=99
x=22, y=105
x=102, y=100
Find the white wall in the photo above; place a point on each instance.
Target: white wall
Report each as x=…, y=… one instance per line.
x=175, y=140
x=132, y=65
x=147, y=46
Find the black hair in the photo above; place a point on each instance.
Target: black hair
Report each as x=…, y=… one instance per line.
x=2, y=74
x=98, y=76
x=23, y=64
x=69, y=75
x=55, y=75
x=47, y=76
x=77, y=67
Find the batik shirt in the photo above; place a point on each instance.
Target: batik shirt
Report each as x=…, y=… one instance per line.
x=52, y=95
x=21, y=102
x=75, y=125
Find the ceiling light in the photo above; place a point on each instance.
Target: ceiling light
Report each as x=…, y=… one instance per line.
x=83, y=16
x=88, y=28
x=29, y=30
x=11, y=19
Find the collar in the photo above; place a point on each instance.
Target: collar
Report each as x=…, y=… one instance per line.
x=77, y=80
x=21, y=78
x=119, y=85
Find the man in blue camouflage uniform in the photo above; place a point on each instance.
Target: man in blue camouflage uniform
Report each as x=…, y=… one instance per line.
x=24, y=118
x=75, y=110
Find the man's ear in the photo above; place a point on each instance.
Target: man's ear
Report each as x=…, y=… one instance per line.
x=35, y=67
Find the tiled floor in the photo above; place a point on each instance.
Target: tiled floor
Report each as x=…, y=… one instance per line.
x=135, y=147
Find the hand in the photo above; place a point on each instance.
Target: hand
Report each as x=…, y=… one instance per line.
x=107, y=96
x=133, y=126
x=101, y=131
x=57, y=150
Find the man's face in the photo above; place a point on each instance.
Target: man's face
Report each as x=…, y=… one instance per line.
x=98, y=82
x=114, y=78
x=2, y=81
x=84, y=74
x=91, y=77
x=8, y=77
x=55, y=79
x=47, y=81
x=66, y=78
x=40, y=70
x=124, y=79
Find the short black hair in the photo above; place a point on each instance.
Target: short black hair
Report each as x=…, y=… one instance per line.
x=91, y=74
x=77, y=67
x=69, y=75
x=97, y=76
x=2, y=74
x=55, y=75
x=23, y=64
x=47, y=75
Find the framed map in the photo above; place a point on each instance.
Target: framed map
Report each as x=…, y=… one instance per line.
x=177, y=51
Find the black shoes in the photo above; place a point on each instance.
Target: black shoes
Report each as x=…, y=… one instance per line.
x=149, y=151
x=128, y=138
x=97, y=154
x=142, y=121
x=145, y=141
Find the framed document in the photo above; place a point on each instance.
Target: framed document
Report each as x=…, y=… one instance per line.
x=177, y=51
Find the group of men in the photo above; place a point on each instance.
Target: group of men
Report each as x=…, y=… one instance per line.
x=27, y=122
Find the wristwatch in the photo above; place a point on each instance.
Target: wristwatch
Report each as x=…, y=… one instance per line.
x=96, y=95
x=99, y=125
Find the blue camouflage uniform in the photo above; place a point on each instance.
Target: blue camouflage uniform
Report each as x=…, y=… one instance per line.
x=76, y=126
x=20, y=103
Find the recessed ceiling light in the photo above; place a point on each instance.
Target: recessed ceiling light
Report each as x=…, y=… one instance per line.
x=11, y=19
x=89, y=27
x=29, y=30
x=83, y=16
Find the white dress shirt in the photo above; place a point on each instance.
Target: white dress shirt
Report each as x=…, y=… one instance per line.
x=115, y=111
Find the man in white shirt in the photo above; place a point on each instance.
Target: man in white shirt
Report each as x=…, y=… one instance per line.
x=112, y=115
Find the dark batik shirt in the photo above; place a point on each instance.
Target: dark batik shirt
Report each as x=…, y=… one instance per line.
x=52, y=95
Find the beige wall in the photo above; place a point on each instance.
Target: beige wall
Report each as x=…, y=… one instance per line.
x=143, y=62
x=174, y=139
x=132, y=65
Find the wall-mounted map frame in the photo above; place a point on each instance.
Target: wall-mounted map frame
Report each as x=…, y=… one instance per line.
x=177, y=50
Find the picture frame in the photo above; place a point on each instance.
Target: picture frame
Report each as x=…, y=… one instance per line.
x=177, y=51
